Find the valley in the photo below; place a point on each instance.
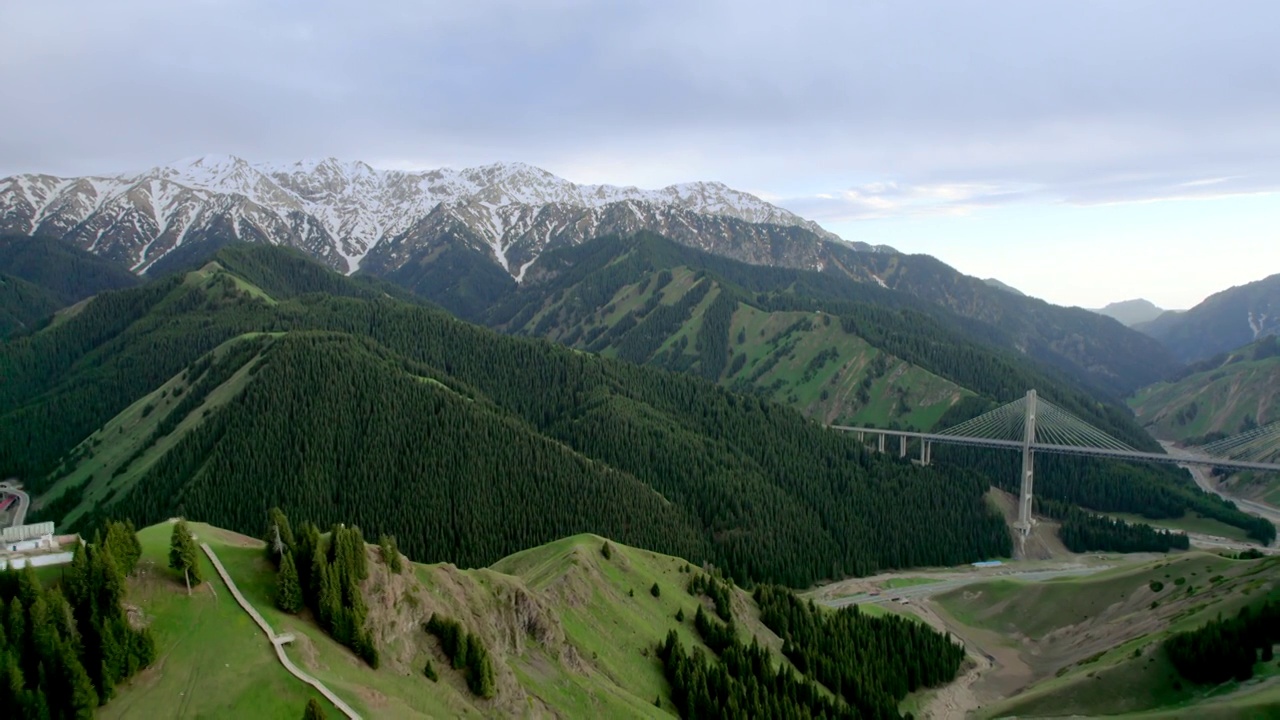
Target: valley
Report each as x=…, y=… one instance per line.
x=560, y=361
x=636, y=445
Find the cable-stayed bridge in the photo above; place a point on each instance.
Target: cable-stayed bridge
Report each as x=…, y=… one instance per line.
x=1033, y=425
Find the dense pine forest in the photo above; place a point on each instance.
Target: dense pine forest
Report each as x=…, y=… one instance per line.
x=868, y=664
x=369, y=409
x=1088, y=532
x=1227, y=648
x=64, y=650
x=873, y=663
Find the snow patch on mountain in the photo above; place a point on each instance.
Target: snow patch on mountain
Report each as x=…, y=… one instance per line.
x=340, y=211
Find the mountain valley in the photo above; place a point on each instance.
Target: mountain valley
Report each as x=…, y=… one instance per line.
x=649, y=395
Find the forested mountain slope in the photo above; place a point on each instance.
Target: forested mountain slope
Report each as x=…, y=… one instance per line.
x=838, y=350
x=39, y=277
x=23, y=305
x=1211, y=399
x=1224, y=321
x=467, y=444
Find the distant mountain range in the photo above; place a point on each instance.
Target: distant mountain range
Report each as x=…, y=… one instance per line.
x=1223, y=322
x=1132, y=312
x=468, y=239
x=348, y=214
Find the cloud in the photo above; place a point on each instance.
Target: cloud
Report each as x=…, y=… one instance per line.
x=883, y=200
x=913, y=107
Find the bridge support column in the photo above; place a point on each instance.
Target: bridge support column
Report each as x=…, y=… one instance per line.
x=902, y=446
x=926, y=449
x=881, y=441
x=1028, y=466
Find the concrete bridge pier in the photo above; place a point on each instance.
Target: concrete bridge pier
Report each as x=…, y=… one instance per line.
x=902, y=446
x=881, y=441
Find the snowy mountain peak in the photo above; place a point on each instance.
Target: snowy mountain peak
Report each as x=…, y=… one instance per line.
x=340, y=211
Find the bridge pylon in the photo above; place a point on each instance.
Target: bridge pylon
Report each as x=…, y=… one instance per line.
x=1027, y=480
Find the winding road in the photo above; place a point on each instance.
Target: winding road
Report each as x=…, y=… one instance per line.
x=949, y=583
x=11, y=486
x=1203, y=479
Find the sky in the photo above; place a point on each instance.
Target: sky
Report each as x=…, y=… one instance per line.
x=1083, y=152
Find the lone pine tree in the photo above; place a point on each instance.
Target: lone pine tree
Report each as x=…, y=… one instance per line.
x=183, y=555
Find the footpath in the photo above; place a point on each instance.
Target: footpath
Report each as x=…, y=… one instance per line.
x=277, y=641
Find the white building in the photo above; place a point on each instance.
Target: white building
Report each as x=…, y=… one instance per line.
x=34, y=545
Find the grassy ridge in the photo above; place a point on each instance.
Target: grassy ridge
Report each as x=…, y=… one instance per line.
x=213, y=660
x=802, y=359
x=571, y=632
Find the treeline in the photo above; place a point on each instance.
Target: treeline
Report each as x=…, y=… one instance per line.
x=873, y=663
x=1084, y=531
x=1227, y=649
x=466, y=652
x=64, y=650
x=328, y=573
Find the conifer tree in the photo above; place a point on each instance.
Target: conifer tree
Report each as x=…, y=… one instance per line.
x=479, y=670
x=183, y=555
x=390, y=553
x=122, y=542
x=314, y=711
x=279, y=535
x=288, y=591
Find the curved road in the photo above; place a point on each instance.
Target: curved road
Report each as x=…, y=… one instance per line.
x=10, y=486
x=951, y=583
x=1201, y=475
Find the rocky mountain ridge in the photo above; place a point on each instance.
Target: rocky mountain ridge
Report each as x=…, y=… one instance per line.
x=343, y=212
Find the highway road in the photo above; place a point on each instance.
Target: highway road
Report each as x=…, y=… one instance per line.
x=11, y=487
x=1205, y=481
x=946, y=584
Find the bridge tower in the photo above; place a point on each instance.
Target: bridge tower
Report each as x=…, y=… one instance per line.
x=1028, y=466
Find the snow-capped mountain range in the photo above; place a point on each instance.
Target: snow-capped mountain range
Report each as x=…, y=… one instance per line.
x=348, y=214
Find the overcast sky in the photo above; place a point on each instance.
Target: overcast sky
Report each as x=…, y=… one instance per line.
x=1083, y=152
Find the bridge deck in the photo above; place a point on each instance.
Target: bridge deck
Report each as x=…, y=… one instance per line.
x=1064, y=449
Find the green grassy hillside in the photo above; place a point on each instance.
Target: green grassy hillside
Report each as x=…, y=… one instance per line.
x=803, y=359
x=648, y=300
x=1216, y=398
x=1092, y=646
x=572, y=634
x=212, y=660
